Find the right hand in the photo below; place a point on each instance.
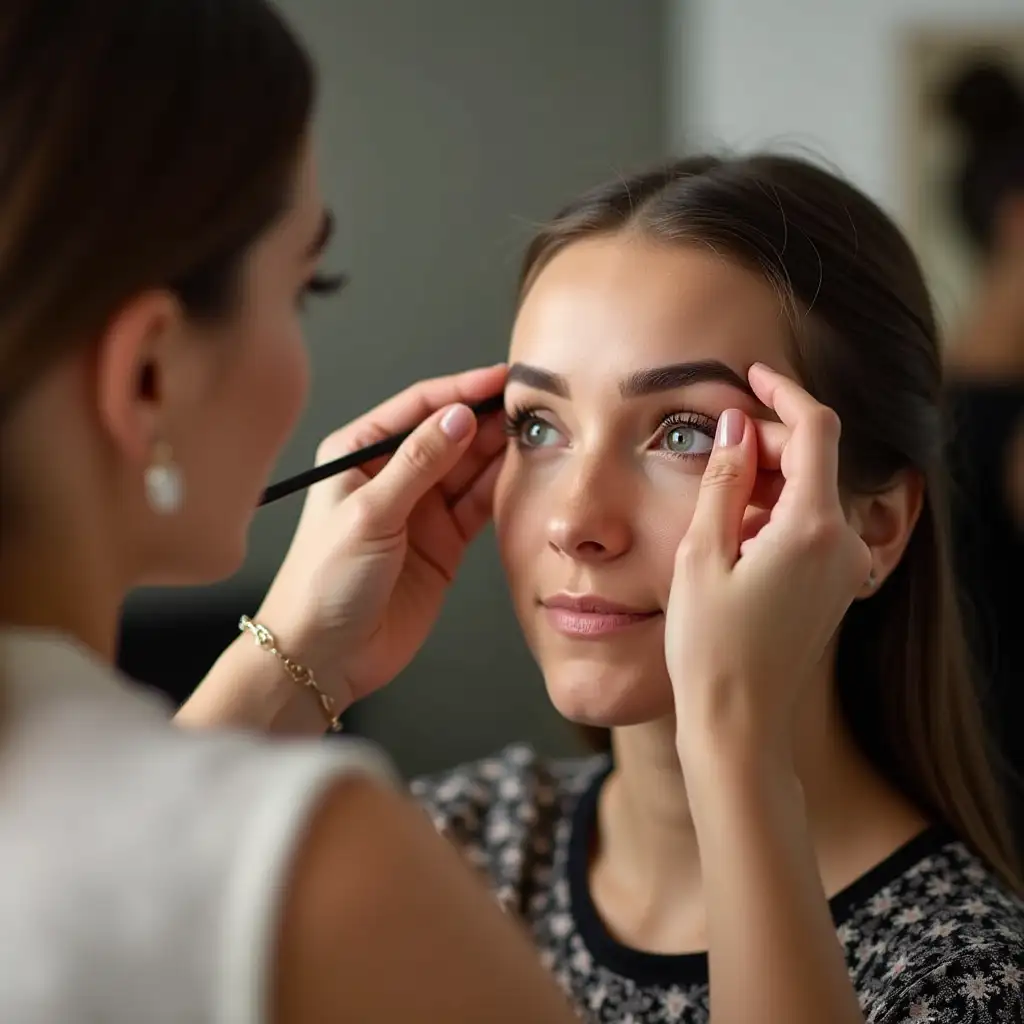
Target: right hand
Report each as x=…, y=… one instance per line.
x=749, y=620
x=364, y=580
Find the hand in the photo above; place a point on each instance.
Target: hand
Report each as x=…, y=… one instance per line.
x=376, y=547
x=748, y=620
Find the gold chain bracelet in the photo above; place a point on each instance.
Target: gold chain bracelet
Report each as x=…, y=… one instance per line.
x=299, y=673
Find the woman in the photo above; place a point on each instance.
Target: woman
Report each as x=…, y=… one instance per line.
x=160, y=223
x=986, y=376
x=642, y=306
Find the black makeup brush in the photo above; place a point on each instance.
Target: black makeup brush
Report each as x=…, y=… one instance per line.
x=388, y=446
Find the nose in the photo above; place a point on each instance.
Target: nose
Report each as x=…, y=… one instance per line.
x=590, y=520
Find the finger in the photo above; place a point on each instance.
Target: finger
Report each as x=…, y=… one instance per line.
x=475, y=507
x=489, y=443
x=767, y=490
x=411, y=407
x=726, y=485
x=772, y=438
x=810, y=457
x=419, y=464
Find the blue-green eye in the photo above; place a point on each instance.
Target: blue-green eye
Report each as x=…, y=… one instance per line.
x=528, y=430
x=689, y=438
x=538, y=434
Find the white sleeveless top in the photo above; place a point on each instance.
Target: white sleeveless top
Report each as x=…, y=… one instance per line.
x=141, y=865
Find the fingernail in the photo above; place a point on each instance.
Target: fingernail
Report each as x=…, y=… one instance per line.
x=457, y=422
x=730, y=429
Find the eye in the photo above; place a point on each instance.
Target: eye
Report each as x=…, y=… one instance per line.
x=688, y=435
x=320, y=285
x=529, y=430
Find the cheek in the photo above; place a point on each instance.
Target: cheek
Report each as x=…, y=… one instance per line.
x=661, y=523
x=279, y=379
x=518, y=524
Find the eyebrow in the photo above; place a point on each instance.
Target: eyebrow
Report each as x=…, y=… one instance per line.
x=323, y=235
x=643, y=382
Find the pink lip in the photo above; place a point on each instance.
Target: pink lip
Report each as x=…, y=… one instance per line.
x=587, y=616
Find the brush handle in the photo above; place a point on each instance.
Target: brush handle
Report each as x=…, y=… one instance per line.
x=388, y=446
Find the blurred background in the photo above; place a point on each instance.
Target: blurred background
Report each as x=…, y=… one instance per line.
x=447, y=130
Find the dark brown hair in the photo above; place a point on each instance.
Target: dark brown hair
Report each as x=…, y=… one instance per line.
x=865, y=343
x=143, y=143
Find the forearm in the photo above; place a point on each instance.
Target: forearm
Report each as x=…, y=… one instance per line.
x=248, y=688
x=774, y=955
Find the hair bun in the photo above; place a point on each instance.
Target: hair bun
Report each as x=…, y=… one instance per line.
x=985, y=100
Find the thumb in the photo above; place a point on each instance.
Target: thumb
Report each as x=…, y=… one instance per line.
x=727, y=485
x=422, y=461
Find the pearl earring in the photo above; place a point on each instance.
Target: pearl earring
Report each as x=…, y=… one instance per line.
x=165, y=486
x=872, y=579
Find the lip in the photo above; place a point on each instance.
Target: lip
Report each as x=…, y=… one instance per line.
x=588, y=616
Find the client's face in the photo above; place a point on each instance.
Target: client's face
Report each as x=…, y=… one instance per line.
x=624, y=354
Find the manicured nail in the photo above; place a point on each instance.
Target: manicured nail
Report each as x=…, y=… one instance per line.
x=730, y=429
x=457, y=422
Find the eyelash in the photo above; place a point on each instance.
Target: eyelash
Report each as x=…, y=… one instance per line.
x=321, y=285
x=520, y=416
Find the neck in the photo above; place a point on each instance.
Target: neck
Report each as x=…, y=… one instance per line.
x=645, y=825
x=59, y=584
x=646, y=875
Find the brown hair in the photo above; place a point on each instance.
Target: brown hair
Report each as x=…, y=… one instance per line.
x=865, y=343
x=142, y=144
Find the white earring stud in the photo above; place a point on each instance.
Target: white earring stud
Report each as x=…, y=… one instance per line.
x=165, y=486
x=872, y=579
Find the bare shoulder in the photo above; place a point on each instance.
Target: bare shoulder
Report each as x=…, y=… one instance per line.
x=382, y=921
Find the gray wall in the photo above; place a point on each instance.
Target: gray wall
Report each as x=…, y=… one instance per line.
x=446, y=129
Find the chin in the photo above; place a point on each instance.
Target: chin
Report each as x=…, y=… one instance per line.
x=606, y=697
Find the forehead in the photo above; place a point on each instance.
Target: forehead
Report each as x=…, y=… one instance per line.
x=607, y=306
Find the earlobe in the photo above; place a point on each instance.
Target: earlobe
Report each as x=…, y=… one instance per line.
x=129, y=372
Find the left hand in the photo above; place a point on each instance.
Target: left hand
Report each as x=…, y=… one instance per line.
x=748, y=621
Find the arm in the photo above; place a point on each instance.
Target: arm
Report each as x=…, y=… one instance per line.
x=368, y=567
x=383, y=922
x=774, y=956
x=248, y=689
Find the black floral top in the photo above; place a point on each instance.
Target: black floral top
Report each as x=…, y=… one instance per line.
x=930, y=935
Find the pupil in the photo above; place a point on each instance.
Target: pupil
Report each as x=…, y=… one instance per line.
x=681, y=438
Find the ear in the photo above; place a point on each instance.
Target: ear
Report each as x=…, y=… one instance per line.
x=885, y=521
x=132, y=372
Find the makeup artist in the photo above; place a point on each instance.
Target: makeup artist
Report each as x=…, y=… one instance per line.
x=160, y=226
x=160, y=223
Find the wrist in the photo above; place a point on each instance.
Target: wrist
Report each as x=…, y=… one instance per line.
x=307, y=642
x=249, y=688
x=735, y=755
